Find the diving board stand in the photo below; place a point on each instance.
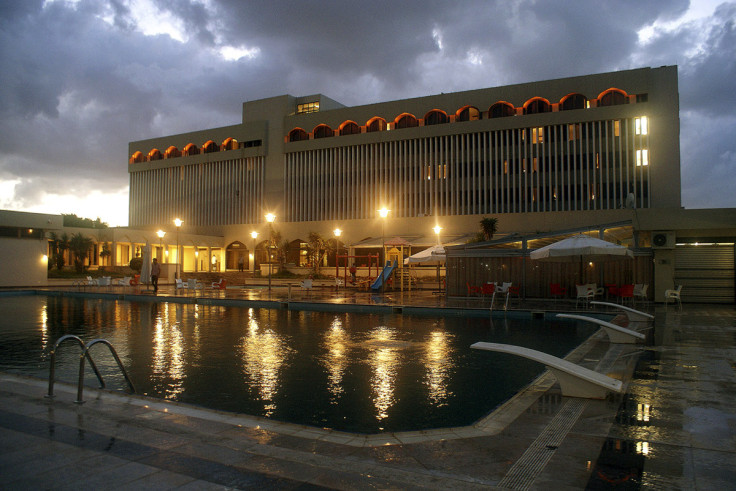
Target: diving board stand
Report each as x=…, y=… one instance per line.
x=633, y=314
x=616, y=334
x=575, y=381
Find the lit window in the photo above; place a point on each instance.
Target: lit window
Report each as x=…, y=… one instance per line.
x=505, y=166
x=642, y=158
x=641, y=125
x=309, y=107
x=617, y=128
x=573, y=132
x=535, y=166
x=538, y=135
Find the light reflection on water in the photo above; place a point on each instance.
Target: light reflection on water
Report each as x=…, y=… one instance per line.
x=355, y=372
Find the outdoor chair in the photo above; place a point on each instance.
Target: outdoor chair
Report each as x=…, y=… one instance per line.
x=556, y=290
x=193, y=284
x=181, y=284
x=305, y=284
x=473, y=290
x=673, y=295
x=640, y=292
x=626, y=291
x=219, y=284
x=584, y=293
x=125, y=281
x=339, y=282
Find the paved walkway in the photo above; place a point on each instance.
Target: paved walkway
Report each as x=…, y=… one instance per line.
x=674, y=427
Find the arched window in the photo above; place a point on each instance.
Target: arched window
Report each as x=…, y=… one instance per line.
x=467, y=113
x=573, y=101
x=406, y=121
x=190, y=149
x=210, y=147
x=236, y=256
x=136, y=158
x=297, y=135
x=154, y=154
x=349, y=128
x=612, y=97
x=537, y=105
x=501, y=109
x=375, y=124
x=230, y=144
x=435, y=117
x=172, y=152
x=323, y=131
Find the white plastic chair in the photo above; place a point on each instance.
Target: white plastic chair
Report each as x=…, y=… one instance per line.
x=640, y=292
x=673, y=295
x=305, y=284
x=585, y=293
x=181, y=284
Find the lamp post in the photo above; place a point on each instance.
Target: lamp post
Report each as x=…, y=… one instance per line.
x=337, y=233
x=270, y=217
x=161, y=234
x=178, y=223
x=254, y=234
x=383, y=212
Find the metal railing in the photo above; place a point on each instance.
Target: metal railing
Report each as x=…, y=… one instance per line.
x=85, y=355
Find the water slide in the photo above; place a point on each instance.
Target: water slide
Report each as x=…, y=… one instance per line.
x=385, y=275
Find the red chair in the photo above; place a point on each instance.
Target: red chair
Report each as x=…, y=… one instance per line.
x=488, y=289
x=473, y=290
x=626, y=291
x=557, y=290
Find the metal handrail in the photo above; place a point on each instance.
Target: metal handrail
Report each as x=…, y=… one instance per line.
x=85, y=355
x=80, y=385
x=52, y=371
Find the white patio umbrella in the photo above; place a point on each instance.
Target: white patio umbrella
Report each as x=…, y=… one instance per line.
x=432, y=255
x=581, y=248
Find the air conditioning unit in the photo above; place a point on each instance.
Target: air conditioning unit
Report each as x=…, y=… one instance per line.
x=663, y=240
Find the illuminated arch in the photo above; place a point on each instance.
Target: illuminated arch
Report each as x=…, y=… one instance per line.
x=375, y=124
x=612, y=97
x=190, y=149
x=230, y=144
x=136, y=158
x=172, y=152
x=323, y=131
x=406, y=120
x=537, y=105
x=349, y=128
x=210, y=147
x=297, y=135
x=435, y=116
x=154, y=154
x=501, y=109
x=573, y=101
x=467, y=113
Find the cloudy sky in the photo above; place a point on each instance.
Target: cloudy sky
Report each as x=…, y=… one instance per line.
x=82, y=78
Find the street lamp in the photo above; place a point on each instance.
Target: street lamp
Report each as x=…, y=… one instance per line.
x=161, y=234
x=178, y=223
x=270, y=217
x=254, y=234
x=383, y=212
x=437, y=229
x=337, y=233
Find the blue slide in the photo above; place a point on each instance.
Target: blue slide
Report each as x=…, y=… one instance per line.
x=385, y=275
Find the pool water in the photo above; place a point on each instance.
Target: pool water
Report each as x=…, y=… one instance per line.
x=364, y=373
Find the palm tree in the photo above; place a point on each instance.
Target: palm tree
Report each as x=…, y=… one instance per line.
x=488, y=227
x=59, y=244
x=80, y=245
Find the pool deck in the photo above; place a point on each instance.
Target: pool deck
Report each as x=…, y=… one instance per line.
x=674, y=427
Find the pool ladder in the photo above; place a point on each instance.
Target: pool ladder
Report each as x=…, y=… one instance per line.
x=85, y=355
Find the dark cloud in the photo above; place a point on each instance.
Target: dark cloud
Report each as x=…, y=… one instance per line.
x=84, y=79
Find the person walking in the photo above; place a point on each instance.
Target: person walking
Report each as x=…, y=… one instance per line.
x=155, y=273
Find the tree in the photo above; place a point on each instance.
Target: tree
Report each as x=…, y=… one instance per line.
x=488, y=227
x=105, y=252
x=59, y=244
x=282, y=251
x=317, y=248
x=80, y=245
x=72, y=220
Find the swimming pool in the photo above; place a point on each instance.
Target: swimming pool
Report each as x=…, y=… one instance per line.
x=355, y=372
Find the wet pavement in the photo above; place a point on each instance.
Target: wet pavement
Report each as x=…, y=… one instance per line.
x=674, y=427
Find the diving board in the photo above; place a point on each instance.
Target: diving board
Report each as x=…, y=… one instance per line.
x=616, y=334
x=575, y=381
x=633, y=314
